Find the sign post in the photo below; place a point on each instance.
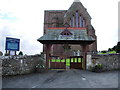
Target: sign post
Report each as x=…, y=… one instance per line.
x=12, y=45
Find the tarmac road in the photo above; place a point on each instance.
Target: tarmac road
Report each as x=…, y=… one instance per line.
x=63, y=79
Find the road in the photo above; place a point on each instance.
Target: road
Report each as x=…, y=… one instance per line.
x=63, y=79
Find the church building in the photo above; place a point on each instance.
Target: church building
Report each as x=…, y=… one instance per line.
x=68, y=31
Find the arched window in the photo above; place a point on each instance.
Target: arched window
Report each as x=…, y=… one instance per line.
x=76, y=18
x=81, y=21
x=70, y=22
x=73, y=21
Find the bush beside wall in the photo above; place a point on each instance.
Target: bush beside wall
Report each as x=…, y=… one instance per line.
x=109, y=62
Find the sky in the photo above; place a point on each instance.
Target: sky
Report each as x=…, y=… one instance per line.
x=24, y=19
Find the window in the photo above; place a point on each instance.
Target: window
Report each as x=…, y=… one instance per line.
x=76, y=18
x=73, y=21
x=81, y=23
x=79, y=20
x=70, y=22
x=66, y=32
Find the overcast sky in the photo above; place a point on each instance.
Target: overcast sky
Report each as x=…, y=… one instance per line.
x=24, y=19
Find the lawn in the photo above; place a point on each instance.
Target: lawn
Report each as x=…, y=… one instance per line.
x=110, y=52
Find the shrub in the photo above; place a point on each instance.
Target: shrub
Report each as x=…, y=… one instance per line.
x=7, y=54
x=118, y=47
x=40, y=66
x=20, y=53
x=104, y=51
x=112, y=52
x=1, y=53
x=98, y=68
x=110, y=49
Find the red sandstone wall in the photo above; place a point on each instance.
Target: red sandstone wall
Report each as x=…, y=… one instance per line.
x=55, y=18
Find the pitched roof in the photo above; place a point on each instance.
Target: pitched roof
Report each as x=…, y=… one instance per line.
x=66, y=32
x=77, y=5
x=55, y=35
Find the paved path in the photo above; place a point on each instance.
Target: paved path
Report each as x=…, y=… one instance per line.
x=63, y=79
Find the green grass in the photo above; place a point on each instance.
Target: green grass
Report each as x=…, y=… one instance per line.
x=79, y=59
x=71, y=59
x=111, y=52
x=67, y=62
x=63, y=60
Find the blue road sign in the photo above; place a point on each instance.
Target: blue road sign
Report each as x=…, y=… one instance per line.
x=12, y=44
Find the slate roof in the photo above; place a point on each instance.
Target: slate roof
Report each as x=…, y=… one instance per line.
x=55, y=35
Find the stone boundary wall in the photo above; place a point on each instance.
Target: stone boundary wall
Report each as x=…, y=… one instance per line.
x=15, y=65
x=109, y=61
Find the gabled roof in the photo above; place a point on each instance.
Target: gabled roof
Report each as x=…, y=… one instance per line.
x=66, y=32
x=54, y=36
x=77, y=5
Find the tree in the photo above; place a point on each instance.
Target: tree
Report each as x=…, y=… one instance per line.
x=1, y=53
x=110, y=49
x=103, y=51
x=118, y=47
x=114, y=48
x=20, y=53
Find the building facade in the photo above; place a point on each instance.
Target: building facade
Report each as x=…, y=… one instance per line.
x=76, y=17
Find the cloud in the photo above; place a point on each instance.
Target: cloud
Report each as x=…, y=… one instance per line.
x=23, y=27
x=7, y=16
x=119, y=21
x=24, y=19
x=28, y=42
x=4, y=32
